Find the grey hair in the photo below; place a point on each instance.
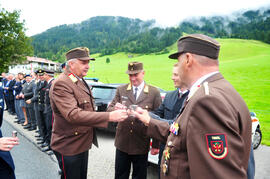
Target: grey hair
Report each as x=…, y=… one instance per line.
x=71, y=60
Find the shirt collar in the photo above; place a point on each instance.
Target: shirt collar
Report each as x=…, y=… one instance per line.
x=196, y=85
x=182, y=92
x=140, y=87
x=50, y=80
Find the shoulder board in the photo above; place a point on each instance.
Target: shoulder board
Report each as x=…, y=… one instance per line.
x=129, y=87
x=206, y=88
x=73, y=78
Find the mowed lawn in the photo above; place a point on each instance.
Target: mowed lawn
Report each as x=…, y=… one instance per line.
x=244, y=63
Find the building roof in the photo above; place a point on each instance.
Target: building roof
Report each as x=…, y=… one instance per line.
x=40, y=60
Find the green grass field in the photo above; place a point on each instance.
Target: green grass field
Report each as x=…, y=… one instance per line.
x=244, y=63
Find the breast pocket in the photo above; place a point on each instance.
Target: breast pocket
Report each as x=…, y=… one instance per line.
x=148, y=106
x=85, y=103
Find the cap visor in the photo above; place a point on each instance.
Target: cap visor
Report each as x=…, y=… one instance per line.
x=174, y=55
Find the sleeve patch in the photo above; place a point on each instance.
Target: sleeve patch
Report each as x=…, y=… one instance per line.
x=217, y=145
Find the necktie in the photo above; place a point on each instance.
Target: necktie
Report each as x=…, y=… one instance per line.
x=180, y=95
x=135, y=94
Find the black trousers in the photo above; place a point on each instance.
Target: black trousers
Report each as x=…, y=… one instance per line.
x=42, y=123
x=73, y=167
x=123, y=162
x=48, y=120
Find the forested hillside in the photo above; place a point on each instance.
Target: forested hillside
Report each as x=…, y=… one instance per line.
x=108, y=35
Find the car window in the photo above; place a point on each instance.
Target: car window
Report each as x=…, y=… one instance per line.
x=252, y=114
x=103, y=92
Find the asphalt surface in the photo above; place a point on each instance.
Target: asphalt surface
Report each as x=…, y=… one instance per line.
x=30, y=162
x=101, y=160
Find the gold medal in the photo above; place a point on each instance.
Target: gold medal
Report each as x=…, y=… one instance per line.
x=166, y=154
x=165, y=168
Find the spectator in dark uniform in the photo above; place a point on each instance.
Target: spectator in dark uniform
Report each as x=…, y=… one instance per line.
x=48, y=77
x=170, y=107
x=63, y=66
x=40, y=97
x=34, y=100
x=28, y=92
x=4, y=82
x=8, y=90
x=6, y=144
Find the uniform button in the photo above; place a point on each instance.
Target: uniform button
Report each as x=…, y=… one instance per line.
x=76, y=133
x=169, y=143
x=130, y=131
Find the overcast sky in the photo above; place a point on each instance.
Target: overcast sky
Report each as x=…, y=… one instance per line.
x=42, y=15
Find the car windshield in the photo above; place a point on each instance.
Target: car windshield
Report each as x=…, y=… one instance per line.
x=100, y=92
x=252, y=114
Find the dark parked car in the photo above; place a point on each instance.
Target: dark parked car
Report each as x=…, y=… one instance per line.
x=103, y=95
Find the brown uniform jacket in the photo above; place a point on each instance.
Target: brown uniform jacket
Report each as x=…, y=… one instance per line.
x=131, y=134
x=214, y=135
x=74, y=116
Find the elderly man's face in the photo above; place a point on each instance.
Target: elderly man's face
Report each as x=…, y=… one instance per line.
x=79, y=67
x=175, y=77
x=182, y=72
x=136, y=79
x=28, y=79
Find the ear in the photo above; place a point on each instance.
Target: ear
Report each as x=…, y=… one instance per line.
x=189, y=60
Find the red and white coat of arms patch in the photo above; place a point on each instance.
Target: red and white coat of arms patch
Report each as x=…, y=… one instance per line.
x=217, y=145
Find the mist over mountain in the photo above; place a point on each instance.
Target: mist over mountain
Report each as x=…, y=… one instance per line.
x=109, y=34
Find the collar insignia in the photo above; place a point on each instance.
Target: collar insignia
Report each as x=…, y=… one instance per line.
x=193, y=91
x=129, y=87
x=72, y=77
x=146, y=89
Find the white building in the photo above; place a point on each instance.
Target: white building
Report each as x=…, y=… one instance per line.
x=32, y=64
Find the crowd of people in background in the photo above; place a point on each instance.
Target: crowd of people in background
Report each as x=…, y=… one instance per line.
x=26, y=98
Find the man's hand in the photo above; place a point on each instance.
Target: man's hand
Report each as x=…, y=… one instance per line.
x=28, y=101
x=142, y=115
x=118, y=115
x=119, y=106
x=154, y=151
x=7, y=143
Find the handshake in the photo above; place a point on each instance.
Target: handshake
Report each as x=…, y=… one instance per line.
x=122, y=112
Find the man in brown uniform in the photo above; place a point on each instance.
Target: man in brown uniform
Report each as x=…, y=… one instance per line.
x=74, y=118
x=132, y=144
x=212, y=136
